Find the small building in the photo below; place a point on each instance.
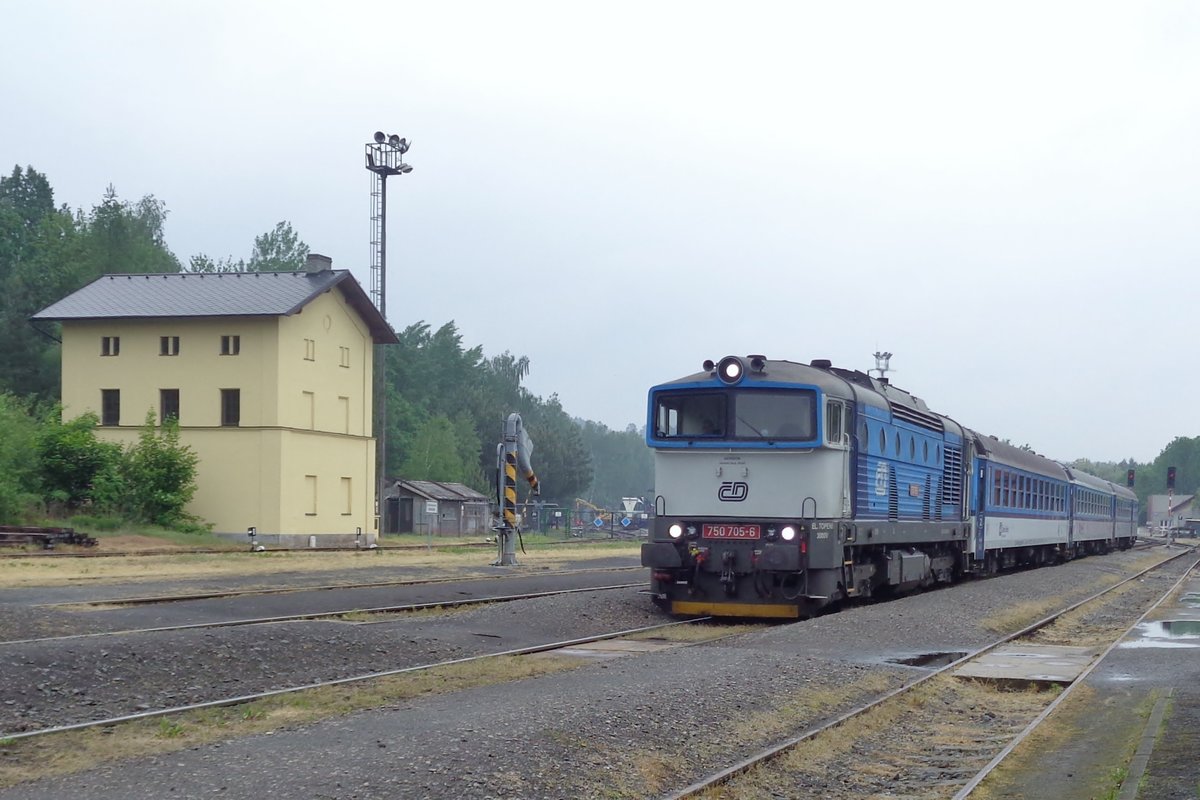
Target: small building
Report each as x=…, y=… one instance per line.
x=1166, y=511
x=436, y=509
x=269, y=375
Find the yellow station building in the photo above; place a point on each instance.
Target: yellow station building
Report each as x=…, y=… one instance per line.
x=268, y=373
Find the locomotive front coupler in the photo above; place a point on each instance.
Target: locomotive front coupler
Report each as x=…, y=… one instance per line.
x=728, y=579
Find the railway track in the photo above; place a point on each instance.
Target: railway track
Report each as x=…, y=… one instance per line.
x=392, y=609
x=910, y=741
x=292, y=589
x=20, y=736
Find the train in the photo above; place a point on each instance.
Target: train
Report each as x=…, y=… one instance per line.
x=783, y=488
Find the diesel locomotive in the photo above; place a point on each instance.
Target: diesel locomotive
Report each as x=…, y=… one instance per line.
x=781, y=488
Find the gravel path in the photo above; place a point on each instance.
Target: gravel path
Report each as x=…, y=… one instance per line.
x=631, y=727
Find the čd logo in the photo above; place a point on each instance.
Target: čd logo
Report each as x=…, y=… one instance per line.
x=733, y=491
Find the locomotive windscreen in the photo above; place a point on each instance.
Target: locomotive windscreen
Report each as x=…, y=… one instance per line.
x=737, y=414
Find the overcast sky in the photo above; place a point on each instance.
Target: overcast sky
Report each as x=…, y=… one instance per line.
x=1006, y=196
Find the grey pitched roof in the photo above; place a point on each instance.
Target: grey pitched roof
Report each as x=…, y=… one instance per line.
x=221, y=294
x=434, y=490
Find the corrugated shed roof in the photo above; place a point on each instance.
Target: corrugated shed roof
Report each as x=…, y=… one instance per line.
x=432, y=490
x=221, y=294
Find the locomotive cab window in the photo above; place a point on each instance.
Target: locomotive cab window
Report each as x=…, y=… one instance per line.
x=836, y=424
x=690, y=415
x=746, y=415
x=775, y=415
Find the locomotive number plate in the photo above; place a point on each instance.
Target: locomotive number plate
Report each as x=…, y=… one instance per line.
x=730, y=532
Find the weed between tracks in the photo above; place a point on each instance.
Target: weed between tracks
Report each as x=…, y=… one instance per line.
x=923, y=744
x=1102, y=724
x=61, y=754
x=1019, y=616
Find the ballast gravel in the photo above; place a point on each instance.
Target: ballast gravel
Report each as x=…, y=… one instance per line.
x=635, y=726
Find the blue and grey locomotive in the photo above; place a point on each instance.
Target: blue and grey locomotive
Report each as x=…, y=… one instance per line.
x=783, y=487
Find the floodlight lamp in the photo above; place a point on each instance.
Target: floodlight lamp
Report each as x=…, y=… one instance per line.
x=404, y=169
x=394, y=140
x=379, y=137
x=403, y=146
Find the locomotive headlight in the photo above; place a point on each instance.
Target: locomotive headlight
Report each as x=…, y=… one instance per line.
x=730, y=369
x=675, y=530
x=788, y=533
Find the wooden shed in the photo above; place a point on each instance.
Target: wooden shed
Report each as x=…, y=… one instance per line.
x=437, y=509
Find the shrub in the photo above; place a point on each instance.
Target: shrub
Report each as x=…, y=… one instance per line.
x=18, y=465
x=153, y=480
x=71, y=458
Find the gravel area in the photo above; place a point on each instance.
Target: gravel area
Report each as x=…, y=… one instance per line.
x=631, y=727
x=61, y=682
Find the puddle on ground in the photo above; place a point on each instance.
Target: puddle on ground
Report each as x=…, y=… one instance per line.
x=1190, y=599
x=1169, y=633
x=928, y=659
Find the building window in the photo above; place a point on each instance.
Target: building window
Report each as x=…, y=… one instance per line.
x=344, y=357
x=168, y=345
x=110, y=345
x=168, y=404
x=310, y=410
x=347, y=495
x=110, y=406
x=231, y=345
x=231, y=407
x=344, y=409
x=310, y=350
x=310, y=491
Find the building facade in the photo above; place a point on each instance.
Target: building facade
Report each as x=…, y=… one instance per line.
x=1170, y=511
x=268, y=374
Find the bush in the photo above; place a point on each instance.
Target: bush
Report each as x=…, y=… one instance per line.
x=153, y=480
x=18, y=467
x=71, y=458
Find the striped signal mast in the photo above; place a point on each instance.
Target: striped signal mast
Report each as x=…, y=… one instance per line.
x=512, y=453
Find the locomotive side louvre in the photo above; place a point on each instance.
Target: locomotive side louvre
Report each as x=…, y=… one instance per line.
x=783, y=487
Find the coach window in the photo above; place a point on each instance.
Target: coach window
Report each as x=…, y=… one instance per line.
x=1004, y=481
x=996, y=486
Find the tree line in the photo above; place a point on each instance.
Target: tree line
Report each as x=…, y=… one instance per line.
x=447, y=401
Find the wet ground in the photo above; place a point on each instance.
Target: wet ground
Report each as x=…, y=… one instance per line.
x=1156, y=666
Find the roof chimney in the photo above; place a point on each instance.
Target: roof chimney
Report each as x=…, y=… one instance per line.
x=317, y=263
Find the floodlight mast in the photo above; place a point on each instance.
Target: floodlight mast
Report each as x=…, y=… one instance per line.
x=384, y=157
